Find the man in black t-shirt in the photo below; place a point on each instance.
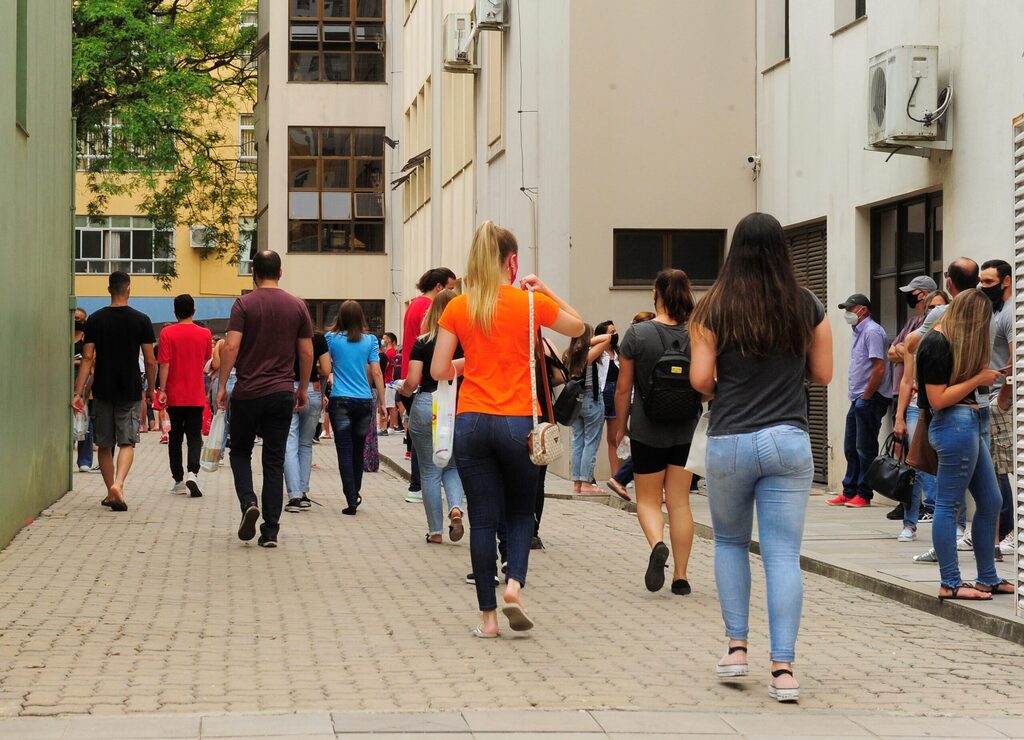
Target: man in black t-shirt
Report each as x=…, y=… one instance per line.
x=113, y=338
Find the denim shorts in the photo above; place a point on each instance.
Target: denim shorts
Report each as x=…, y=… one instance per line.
x=609, y=399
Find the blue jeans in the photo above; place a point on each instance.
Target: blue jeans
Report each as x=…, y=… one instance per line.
x=499, y=477
x=586, y=437
x=772, y=469
x=863, y=421
x=227, y=415
x=625, y=472
x=85, y=449
x=350, y=421
x=964, y=463
x=924, y=486
x=298, y=458
x=431, y=476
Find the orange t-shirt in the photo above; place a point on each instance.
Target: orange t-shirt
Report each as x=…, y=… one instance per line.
x=497, y=371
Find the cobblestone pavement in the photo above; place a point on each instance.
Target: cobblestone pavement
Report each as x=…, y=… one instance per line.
x=162, y=609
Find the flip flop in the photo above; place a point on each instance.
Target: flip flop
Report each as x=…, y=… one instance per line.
x=456, y=529
x=517, y=617
x=955, y=596
x=478, y=632
x=995, y=590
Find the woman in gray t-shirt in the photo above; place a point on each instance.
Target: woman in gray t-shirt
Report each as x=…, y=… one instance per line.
x=757, y=336
x=659, y=449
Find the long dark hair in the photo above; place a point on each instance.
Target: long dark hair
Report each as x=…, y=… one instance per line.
x=756, y=303
x=673, y=290
x=575, y=357
x=350, y=321
x=602, y=329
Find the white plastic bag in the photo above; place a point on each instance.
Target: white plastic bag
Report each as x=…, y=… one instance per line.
x=444, y=403
x=81, y=426
x=696, y=460
x=213, y=448
x=624, y=451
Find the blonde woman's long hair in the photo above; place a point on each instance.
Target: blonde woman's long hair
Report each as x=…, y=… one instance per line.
x=492, y=245
x=966, y=326
x=433, y=317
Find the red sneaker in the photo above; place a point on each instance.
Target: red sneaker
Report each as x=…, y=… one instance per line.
x=858, y=502
x=163, y=440
x=839, y=500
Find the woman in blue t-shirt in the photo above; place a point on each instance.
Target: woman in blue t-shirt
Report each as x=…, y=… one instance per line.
x=355, y=357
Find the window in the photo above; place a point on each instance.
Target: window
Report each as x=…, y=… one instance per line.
x=335, y=189
x=640, y=254
x=249, y=20
x=776, y=32
x=906, y=241
x=847, y=11
x=129, y=243
x=323, y=314
x=246, y=143
x=21, y=65
x=248, y=243
x=336, y=41
x=94, y=147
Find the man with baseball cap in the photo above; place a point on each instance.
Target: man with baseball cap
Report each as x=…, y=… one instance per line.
x=870, y=387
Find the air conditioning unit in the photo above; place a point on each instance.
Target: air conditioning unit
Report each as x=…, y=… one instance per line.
x=903, y=89
x=492, y=14
x=458, y=28
x=197, y=237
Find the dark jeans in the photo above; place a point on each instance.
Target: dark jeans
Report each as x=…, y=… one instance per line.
x=415, y=482
x=350, y=421
x=624, y=474
x=863, y=421
x=538, y=507
x=499, y=477
x=85, y=450
x=1006, y=511
x=272, y=416
x=187, y=423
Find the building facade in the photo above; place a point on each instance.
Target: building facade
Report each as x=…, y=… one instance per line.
x=36, y=289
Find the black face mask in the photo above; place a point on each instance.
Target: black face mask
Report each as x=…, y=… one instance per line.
x=79, y=326
x=995, y=294
x=912, y=300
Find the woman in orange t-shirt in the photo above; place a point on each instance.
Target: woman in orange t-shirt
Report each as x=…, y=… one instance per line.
x=495, y=409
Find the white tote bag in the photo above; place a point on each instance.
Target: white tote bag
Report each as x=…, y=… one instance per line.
x=213, y=448
x=444, y=403
x=696, y=460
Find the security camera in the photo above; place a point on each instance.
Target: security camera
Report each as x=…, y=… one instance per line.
x=754, y=159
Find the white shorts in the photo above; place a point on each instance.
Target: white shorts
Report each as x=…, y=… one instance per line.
x=389, y=397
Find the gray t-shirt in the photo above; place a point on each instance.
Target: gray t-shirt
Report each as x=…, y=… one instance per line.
x=1002, y=337
x=644, y=345
x=754, y=393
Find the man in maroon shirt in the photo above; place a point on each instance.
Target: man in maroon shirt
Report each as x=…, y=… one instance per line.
x=184, y=351
x=268, y=328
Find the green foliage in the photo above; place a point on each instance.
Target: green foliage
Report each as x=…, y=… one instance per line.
x=172, y=76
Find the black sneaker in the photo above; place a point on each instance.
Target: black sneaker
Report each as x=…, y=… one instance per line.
x=654, y=579
x=927, y=516
x=305, y=503
x=471, y=579
x=536, y=543
x=265, y=541
x=896, y=513
x=294, y=505
x=247, y=529
x=681, y=587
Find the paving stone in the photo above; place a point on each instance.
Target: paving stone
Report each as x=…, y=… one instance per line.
x=794, y=725
x=399, y=722
x=928, y=727
x=526, y=721
x=678, y=723
x=31, y=728
x=262, y=725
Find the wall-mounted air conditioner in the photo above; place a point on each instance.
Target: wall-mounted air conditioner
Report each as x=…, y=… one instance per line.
x=492, y=14
x=903, y=89
x=458, y=30
x=197, y=237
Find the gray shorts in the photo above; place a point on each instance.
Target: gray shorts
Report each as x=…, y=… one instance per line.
x=116, y=423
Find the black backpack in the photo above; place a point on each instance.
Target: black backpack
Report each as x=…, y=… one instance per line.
x=669, y=398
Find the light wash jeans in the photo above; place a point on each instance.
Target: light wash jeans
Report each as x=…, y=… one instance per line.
x=958, y=434
x=232, y=378
x=586, y=437
x=772, y=469
x=431, y=476
x=298, y=457
x=924, y=485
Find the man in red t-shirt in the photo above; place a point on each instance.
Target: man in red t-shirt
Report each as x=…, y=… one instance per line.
x=182, y=355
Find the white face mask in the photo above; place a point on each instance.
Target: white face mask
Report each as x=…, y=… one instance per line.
x=851, y=318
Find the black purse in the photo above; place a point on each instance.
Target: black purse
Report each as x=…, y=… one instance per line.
x=891, y=476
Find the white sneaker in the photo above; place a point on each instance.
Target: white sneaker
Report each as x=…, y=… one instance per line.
x=965, y=544
x=414, y=497
x=1006, y=546
x=192, y=484
x=84, y=469
x=907, y=535
x=178, y=487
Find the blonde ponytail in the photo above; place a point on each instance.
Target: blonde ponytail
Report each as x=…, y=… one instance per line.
x=492, y=245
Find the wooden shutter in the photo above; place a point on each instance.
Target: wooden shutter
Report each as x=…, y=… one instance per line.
x=1018, y=339
x=808, y=249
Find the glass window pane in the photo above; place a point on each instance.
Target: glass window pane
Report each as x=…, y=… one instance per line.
x=142, y=267
x=163, y=244
x=335, y=142
x=370, y=37
x=698, y=253
x=369, y=68
x=123, y=222
x=335, y=174
x=119, y=244
x=914, y=244
x=886, y=241
x=100, y=221
x=337, y=37
x=302, y=141
x=886, y=313
x=304, y=67
x=305, y=8
x=337, y=8
x=638, y=257
x=368, y=173
x=369, y=205
x=141, y=223
x=81, y=221
x=335, y=238
x=304, y=205
x=302, y=174
x=370, y=8
x=91, y=244
x=368, y=237
x=338, y=67
x=337, y=205
x=302, y=236
x=369, y=142
x=330, y=309
x=374, y=312
x=142, y=245
x=304, y=37
x=937, y=234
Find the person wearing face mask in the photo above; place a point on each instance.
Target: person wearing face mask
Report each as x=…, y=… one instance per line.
x=915, y=293
x=996, y=282
x=870, y=392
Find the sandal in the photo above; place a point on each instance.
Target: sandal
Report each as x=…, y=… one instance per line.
x=434, y=542
x=1000, y=589
x=479, y=632
x=733, y=670
x=955, y=595
x=780, y=694
x=456, y=529
x=517, y=617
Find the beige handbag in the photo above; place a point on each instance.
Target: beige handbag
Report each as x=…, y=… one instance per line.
x=545, y=442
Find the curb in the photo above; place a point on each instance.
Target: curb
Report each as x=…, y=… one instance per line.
x=988, y=623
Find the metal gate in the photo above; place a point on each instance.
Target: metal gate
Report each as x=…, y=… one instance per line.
x=1018, y=344
x=808, y=249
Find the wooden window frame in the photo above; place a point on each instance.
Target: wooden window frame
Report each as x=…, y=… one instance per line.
x=666, y=254
x=353, y=20
x=318, y=313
